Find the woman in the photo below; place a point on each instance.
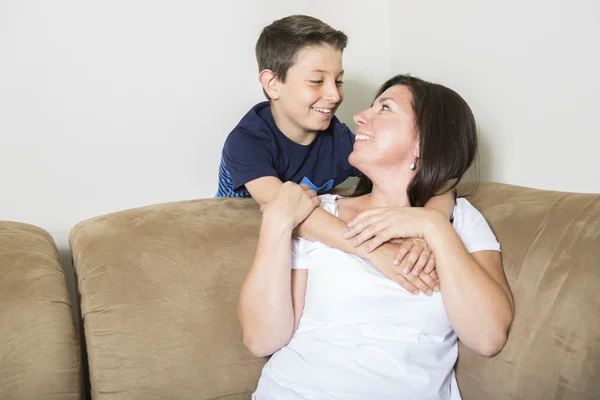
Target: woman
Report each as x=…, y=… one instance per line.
x=337, y=327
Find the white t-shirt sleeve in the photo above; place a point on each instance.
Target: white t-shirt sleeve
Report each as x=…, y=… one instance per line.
x=472, y=228
x=299, y=254
x=301, y=247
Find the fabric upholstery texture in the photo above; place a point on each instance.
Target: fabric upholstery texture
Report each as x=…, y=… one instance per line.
x=551, y=255
x=159, y=287
x=39, y=355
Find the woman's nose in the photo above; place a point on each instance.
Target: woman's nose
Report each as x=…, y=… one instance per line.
x=360, y=118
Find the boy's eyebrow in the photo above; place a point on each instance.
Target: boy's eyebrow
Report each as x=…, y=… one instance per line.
x=323, y=71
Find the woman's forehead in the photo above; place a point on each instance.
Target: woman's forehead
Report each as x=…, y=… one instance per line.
x=399, y=93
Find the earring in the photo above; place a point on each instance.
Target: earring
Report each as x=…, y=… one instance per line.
x=413, y=166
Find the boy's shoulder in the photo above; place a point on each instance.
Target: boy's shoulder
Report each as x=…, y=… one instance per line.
x=254, y=122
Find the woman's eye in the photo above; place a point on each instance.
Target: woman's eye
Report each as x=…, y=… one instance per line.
x=339, y=83
x=384, y=107
x=316, y=82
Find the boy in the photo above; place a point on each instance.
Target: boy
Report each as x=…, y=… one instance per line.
x=295, y=136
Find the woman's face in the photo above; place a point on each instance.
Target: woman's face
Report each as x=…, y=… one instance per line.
x=385, y=133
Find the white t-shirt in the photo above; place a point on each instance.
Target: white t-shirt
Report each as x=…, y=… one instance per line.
x=361, y=335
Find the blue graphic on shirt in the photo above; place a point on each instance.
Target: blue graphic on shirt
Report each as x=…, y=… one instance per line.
x=326, y=187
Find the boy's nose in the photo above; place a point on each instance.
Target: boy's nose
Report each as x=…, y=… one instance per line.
x=333, y=93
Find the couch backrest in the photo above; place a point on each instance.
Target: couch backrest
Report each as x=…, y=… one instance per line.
x=551, y=255
x=39, y=349
x=159, y=287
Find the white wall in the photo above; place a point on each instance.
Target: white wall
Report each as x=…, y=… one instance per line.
x=530, y=71
x=117, y=104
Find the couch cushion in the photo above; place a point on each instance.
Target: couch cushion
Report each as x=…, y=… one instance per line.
x=39, y=355
x=551, y=254
x=159, y=288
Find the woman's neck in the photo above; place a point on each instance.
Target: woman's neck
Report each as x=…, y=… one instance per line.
x=390, y=191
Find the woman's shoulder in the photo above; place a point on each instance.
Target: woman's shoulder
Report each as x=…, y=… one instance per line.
x=472, y=228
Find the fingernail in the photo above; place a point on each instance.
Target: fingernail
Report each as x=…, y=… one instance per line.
x=429, y=292
x=406, y=271
x=415, y=292
x=353, y=243
x=415, y=273
x=437, y=280
x=436, y=288
x=396, y=262
x=346, y=235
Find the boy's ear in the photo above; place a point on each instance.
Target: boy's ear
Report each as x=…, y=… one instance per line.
x=270, y=83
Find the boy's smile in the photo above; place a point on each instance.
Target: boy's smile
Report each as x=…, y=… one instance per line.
x=312, y=91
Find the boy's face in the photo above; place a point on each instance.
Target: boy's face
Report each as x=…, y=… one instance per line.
x=311, y=93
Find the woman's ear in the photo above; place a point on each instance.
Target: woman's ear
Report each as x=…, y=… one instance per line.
x=416, y=150
x=269, y=83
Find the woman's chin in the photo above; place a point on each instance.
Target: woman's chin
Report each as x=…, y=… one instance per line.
x=352, y=159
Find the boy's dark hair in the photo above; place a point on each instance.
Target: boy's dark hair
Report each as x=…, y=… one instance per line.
x=447, y=135
x=280, y=42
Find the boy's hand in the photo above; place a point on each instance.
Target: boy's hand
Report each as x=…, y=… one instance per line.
x=291, y=205
x=414, y=257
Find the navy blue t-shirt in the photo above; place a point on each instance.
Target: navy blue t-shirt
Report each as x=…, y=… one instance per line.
x=257, y=148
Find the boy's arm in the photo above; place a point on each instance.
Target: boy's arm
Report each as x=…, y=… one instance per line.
x=264, y=189
x=443, y=203
x=326, y=228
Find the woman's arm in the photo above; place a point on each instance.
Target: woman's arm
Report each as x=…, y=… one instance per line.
x=267, y=312
x=328, y=229
x=474, y=288
x=476, y=295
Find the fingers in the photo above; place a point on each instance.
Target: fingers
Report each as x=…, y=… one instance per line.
x=411, y=259
x=430, y=265
x=421, y=262
x=311, y=193
x=316, y=201
x=397, y=240
x=363, y=225
x=401, y=280
x=435, y=277
x=432, y=285
x=379, y=239
x=405, y=247
x=365, y=214
x=424, y=285
x=372, y=231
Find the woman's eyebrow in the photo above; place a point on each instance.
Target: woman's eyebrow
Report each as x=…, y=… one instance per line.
x=384, y=99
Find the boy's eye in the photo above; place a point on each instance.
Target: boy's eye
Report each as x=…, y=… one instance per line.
x=317, y=82
x=385, y=107
x=339, y=83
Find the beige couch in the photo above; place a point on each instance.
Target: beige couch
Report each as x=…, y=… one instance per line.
x=39, y=351
x=159, y=285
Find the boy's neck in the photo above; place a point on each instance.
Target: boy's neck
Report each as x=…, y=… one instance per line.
x=291, y=130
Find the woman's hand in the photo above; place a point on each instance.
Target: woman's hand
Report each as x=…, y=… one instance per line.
x=414, y=257
x=291, y=205
x=403, y=225
x=382, y=260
